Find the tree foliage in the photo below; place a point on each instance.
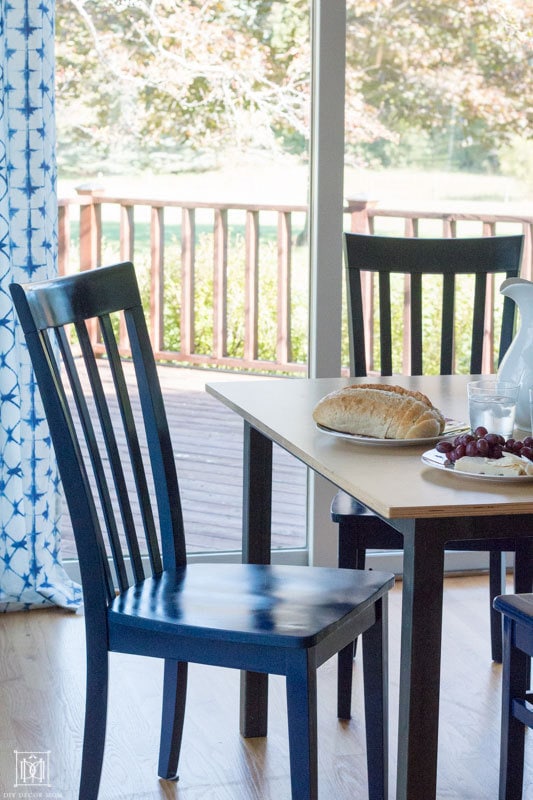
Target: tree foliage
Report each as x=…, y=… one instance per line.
x=180, y=76
x=459, y=71
x=169, y=81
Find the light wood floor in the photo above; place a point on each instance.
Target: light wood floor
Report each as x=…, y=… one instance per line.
x=41, y=710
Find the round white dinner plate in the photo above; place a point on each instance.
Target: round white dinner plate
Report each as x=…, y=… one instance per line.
x=432, y=458
x=453, y=427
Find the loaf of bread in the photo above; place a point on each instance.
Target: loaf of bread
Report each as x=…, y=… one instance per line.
x=380, y=411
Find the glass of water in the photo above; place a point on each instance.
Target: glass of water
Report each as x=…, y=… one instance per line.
x=531, y=409
x=492, y=405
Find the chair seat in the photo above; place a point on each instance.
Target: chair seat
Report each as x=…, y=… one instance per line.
x=285, y=606
x=516, y=606
x=343, y=506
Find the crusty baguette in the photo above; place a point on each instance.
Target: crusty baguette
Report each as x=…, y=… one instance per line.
x=385, y=387
x=380, y=411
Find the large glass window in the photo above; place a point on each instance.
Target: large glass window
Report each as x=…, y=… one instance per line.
x=203, y=109
x=438, y=105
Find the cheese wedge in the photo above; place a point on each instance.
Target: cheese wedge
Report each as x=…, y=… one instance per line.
x=508, y=464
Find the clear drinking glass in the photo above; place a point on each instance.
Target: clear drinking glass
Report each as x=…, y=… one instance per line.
x=492, y=405
x=531, y=409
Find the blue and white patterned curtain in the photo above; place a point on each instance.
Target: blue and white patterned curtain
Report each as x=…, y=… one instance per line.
x=31, y=573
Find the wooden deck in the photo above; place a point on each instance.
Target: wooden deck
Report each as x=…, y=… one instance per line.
x=207, y=438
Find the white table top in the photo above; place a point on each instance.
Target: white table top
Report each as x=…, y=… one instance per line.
x=392, y=481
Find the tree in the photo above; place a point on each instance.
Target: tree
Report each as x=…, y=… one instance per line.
x=180, y=76
x=172, y=80
x=457, y=70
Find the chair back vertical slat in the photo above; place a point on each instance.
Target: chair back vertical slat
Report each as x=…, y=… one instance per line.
x=447, y=349
x=415, y=327
x=385, y=327
x=356, y=330
x=135, y=454
x=164, y=475
x=406, y=325
x=85, y=419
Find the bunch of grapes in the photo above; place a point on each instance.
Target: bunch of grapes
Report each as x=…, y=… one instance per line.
x=483, y=443
x=520, y=448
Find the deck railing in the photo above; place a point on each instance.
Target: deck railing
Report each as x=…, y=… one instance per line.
x=91, y=206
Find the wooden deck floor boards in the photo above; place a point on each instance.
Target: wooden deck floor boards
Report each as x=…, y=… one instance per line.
x=207, y=439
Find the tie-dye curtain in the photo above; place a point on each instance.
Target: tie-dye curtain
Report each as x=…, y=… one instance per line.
x=31, y=572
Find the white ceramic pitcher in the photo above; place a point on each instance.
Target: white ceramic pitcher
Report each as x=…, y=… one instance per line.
x=517, y=363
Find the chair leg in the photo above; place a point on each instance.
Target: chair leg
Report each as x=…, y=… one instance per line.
x=302, y=718
x=349, y=557
x=95, y=722
x=523, y=566
x=349, y=554
x=514, y=685
x=172, y=718
x=375, y=671
x=360, y=561
x=344, y=681
x=496, y=587
x=523, y=577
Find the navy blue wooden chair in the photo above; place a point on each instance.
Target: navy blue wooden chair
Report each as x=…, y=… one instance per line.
x=517, y=697
x=266, y=619
x=382, y=256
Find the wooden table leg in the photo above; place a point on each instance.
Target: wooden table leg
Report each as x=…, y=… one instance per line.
x=423, y=573
x=256, y=540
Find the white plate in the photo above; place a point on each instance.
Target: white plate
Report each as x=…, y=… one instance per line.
x=453, y=428
x=432, y=458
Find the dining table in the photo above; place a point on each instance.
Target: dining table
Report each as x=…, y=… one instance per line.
x=431, y=506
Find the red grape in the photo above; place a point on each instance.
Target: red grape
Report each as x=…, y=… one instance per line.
x=471, y=449
x=484, y=444
x=482, y=447
x=444, y=446
x=460, y=451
